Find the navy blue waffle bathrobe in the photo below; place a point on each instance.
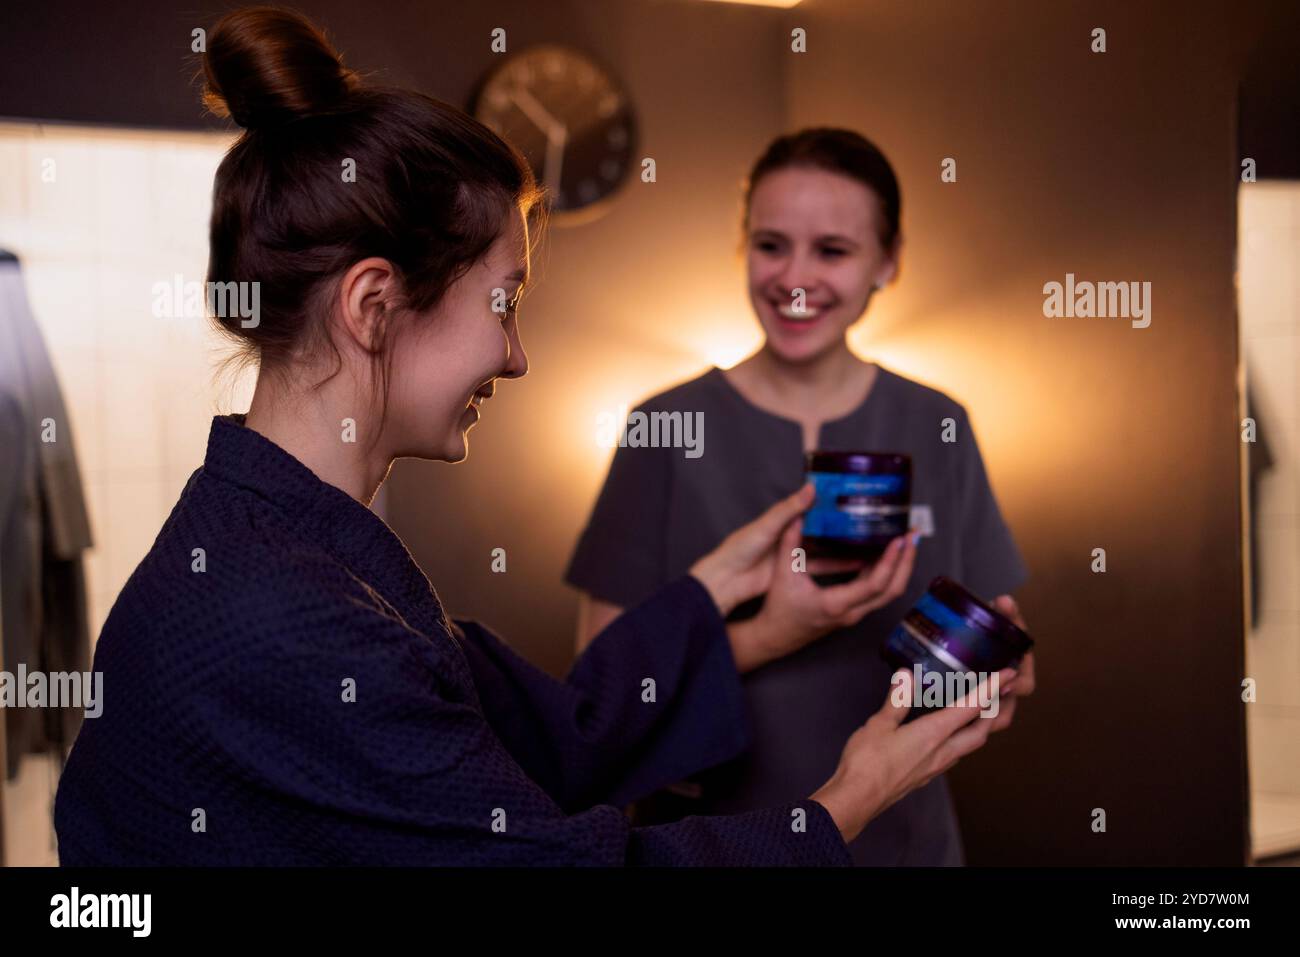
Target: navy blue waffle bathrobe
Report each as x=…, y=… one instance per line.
x=281, y=686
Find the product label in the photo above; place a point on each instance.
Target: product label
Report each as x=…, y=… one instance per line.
x=857, y=508
x=948, y=637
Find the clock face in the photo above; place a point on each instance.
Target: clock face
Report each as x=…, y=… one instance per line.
x=569, y=117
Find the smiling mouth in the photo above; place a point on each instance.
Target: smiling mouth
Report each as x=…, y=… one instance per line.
x=809, y=314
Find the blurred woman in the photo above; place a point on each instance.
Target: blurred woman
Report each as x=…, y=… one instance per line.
x=821, y=226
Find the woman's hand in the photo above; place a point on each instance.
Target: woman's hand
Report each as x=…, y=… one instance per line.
x=885, y=759
x=742, y=566
x=797, y=610
x=757, y=558
x=1025, y=683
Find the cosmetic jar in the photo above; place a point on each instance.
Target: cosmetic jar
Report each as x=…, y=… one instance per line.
x=863, y=502
x=949, y=630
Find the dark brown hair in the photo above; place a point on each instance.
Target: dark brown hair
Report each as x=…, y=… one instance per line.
x=433, y=187
x=835, y=151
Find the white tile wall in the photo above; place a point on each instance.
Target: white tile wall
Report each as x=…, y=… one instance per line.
x=126, y=210
x=1269, y=303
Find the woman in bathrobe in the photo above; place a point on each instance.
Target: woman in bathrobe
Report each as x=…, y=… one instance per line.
x=281, y=683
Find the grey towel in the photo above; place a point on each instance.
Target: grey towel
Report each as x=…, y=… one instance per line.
x=44, y=526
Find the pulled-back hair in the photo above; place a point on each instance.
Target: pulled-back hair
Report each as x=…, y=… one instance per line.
x=834, y=151
x=433, y=188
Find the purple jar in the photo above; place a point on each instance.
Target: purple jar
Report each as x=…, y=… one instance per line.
x=863, y=503
x=949, y=630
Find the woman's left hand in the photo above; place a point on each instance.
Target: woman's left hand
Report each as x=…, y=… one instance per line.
x=798, y=610
x=757, y=557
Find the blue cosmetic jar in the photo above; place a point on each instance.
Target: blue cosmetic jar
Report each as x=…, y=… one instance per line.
x=950, y=630
x=863, y=502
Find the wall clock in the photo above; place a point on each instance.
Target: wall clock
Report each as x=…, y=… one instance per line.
x=572, y=120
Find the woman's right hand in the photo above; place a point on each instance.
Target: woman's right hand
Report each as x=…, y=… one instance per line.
x=885, y=759
x=797, y=610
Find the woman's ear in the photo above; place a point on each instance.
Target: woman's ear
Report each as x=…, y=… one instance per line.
x=888, y=270
x=366, y=296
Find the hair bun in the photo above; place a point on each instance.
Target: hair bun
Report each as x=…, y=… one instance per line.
x=266, y=66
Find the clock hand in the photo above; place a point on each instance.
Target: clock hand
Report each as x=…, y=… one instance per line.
x=555, y=158
x=557, y=135
x=534, y=110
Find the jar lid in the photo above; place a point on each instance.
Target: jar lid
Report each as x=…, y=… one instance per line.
x=961, y=600
x=821, y=460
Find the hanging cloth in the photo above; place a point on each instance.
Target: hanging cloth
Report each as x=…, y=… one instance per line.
x=44, y=527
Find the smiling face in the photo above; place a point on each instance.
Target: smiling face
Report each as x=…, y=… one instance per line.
x=820, y=232
x=446, y=365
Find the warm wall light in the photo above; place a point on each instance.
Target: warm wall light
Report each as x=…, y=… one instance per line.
x=785, y=4
x=713, y=333
x=725, y=350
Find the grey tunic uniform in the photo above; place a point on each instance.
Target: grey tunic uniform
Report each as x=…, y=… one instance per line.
x=660, y=510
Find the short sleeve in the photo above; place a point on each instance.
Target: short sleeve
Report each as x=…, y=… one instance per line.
x=991, y=564
x=620, y=556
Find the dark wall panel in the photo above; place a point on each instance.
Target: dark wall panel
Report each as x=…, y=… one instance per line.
x=1116, y=166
